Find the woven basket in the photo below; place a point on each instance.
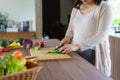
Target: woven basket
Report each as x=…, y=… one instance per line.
x=29, y=74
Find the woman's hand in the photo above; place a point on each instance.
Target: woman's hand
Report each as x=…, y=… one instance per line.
x=68, y=48
x=65, y=41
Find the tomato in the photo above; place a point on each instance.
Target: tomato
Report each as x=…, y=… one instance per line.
x=5, y=49
x=1, y=51
x=17, y=53
x=42, y=44
x=36, y=44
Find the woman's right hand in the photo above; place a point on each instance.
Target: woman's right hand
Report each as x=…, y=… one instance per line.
x=65, y=40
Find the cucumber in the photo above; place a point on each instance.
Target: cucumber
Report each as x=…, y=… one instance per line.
x=53, y=51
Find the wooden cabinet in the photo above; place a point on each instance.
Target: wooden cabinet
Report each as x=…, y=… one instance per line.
x=15, y=35
x=29, y=35
x=115, y=57
x=8, y=35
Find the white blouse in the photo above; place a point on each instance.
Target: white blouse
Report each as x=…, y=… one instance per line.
x=92, y=29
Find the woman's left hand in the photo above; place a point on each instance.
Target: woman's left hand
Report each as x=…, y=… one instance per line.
x=68, y=48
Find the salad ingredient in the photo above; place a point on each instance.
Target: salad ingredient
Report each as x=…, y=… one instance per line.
x=37, y=48
x=9, y=66
x=54, y=51
x=17, y=53
x=1, y=51
x=21, y=58
x=27, y=43
x=20, y=40
x=5, y=49
x=42, y=44
x=14, y=45
x=4, y=43
x=36, y=44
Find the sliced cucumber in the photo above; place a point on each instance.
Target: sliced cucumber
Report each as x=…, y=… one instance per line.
x=53, y=51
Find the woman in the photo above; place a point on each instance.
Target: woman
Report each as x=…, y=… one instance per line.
x=88, y=33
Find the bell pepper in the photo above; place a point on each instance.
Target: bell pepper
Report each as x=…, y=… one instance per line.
x=1, y=51
x=5, y=49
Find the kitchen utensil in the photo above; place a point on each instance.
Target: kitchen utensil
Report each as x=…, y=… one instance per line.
x=59, y=46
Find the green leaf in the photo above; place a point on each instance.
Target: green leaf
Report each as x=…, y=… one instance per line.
x=10, y=66
x=116, y=21
x=1, y=71
x=6, y=57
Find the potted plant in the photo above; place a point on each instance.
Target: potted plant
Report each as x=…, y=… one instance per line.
x=3, y=21
x=116, y=21
x=116, y=25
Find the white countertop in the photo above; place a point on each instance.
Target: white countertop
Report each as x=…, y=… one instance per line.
x=117, y=35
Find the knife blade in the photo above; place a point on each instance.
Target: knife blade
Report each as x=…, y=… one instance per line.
x=57, y=47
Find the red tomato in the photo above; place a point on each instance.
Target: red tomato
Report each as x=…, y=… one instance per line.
x=42, y=43
x=36, y=44
x=5, y=49
x=1, y=51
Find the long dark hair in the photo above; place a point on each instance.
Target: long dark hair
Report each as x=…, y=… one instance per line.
x=79, y=2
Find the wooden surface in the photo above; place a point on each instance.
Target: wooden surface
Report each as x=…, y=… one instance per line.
x=75, y=69
x=15, y=35
x=44, y=56
x=115, y=57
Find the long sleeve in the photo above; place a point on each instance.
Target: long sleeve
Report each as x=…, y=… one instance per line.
x=104, y=26
x=69, y=31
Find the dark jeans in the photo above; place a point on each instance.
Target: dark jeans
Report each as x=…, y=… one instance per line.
x=89, y=55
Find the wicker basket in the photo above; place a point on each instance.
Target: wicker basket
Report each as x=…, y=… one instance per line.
x=29, y=74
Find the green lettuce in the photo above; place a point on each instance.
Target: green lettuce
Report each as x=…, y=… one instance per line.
x=10, y=66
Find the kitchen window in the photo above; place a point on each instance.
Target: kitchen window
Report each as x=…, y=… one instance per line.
x=116, y=14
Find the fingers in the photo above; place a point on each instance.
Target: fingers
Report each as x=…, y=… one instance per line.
x=65, y=49
x=68, y=48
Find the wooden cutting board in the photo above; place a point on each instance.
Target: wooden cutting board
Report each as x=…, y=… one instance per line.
x=44, y=56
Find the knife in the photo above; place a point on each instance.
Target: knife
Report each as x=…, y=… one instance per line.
x=57, y=47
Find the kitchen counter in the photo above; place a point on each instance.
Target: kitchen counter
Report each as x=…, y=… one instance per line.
x=75, y=69
x=117, y=35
